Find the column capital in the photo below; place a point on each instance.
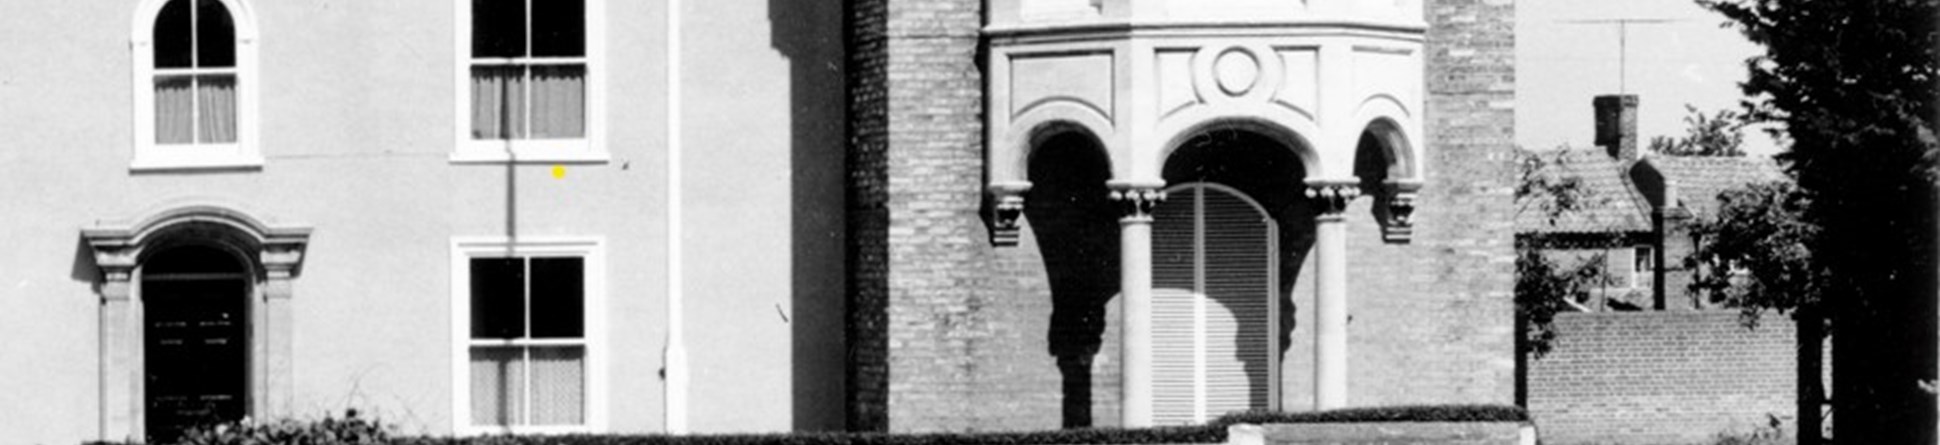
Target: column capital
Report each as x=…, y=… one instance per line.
x=1137, y=199
x=282, y=260
x=1332, y=195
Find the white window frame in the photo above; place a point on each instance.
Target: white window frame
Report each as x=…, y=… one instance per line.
x=590, y=149
x=152, y=156
x=593, y=250
x=1641, y=276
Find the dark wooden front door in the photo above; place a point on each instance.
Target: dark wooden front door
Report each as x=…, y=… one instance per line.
x=196, y=349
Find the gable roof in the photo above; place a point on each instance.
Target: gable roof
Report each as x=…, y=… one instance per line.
x=1607, y=201
x=1612, y=203
x=1697, y=180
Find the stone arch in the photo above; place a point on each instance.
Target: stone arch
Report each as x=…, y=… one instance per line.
x=1010, y=178
x=1286, y=137
x=271, y=256
x=1384, y=117
x=1046, y=121
x=1060, y=134
x=1386, y=168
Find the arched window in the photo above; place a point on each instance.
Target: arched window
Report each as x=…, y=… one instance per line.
x=194, y=85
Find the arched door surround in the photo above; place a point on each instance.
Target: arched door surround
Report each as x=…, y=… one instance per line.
x=268, y=256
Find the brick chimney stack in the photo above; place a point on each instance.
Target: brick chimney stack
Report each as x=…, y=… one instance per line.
x=1616, y=125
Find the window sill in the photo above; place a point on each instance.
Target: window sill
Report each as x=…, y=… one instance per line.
x=179, y=163
x=573, y=151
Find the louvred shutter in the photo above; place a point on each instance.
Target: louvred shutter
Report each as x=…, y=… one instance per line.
x=1238, y=289
x=1175, y=325
x=1213, y=343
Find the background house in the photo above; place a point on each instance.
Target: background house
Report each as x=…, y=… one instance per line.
x=1644, y=360
x=1635, y=212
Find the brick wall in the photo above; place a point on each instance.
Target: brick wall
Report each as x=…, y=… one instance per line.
x=1433, y=320
x=868, y=189
x=949, y=333
x=1661, y=377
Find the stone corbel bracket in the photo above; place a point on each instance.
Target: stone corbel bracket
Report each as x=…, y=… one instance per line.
x=1397, y=210
x=1007, y=209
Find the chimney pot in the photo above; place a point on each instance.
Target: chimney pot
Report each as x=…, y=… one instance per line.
x=1616, y=125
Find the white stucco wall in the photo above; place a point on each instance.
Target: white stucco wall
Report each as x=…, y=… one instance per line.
x=356, y=125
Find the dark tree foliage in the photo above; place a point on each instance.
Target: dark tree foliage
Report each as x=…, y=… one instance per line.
x=1854, y=83
x=1756, y=254
x=1544, y=287
x=1540, y=186
x=1720, y=134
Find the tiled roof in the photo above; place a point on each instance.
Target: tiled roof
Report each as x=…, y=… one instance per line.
x=1699, y=180
x=1608, y=203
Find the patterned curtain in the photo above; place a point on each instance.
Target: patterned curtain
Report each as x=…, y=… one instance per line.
x=498, y=379
x=558, y=385
x=498, y=94
x=216, y=98
x=558, y=102
x=174, y=110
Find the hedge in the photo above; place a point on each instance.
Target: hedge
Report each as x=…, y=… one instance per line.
x=1214, y=432
x=1164, y=435
x=1408, y=413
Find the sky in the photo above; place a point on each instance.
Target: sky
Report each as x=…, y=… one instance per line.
x=1561, y=65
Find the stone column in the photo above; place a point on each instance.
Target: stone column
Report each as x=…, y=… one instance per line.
x=280, y=267
x=1135, y=290
x=120, y=335
x=1330, y=306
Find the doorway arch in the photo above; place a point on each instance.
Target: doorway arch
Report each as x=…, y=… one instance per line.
x=169, y=259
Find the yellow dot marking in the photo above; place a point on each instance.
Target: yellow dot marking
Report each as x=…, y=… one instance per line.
x=559, y=172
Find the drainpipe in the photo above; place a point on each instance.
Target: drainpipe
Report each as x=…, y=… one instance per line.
x=676, y=359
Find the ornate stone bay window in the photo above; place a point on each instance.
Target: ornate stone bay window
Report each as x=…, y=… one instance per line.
x=1233, y=133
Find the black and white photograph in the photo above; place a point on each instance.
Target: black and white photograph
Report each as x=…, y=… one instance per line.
x=970, y=222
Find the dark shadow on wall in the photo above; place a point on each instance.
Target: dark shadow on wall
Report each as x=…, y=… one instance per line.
x=866, y=371
x=1076, y=227
x=810, y=35
x=84, y=269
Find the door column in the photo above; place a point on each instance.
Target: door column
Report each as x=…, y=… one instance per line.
x=1135, y=289
x=275, y=385
x=120, y=330
x=1330, y=306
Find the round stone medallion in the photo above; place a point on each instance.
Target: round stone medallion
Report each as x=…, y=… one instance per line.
x=1236, y=71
